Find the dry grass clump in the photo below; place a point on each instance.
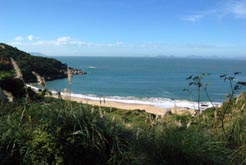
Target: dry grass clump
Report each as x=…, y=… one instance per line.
x=40, y=79
x=2, y=46
x=17, y=69
x=69, y=75
x=8, y=95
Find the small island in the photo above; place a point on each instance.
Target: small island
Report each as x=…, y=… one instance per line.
x=77, y=71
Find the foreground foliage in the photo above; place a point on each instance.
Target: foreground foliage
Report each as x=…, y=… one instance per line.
x=53, y=131
x=60, y=132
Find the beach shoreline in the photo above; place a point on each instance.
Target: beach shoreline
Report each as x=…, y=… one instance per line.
x=120, y=104
x=129, y=106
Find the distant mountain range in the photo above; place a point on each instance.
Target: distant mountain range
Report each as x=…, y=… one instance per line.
x=202, y=57
x=37, y=54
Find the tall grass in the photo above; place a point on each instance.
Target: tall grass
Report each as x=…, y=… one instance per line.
x=172, y=145
x=65, y=132
x=56, y=133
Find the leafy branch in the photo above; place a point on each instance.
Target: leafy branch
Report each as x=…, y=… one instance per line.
x=234, y=88
x=196, y=81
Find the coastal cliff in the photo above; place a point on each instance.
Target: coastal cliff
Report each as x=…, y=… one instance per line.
x=49, y=68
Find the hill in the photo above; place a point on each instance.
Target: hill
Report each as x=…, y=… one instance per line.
x=49, y=68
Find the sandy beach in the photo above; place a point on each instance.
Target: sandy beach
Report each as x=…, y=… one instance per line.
x=129, y=106
x=122, y=105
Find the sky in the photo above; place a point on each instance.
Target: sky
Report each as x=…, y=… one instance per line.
x=125, y=27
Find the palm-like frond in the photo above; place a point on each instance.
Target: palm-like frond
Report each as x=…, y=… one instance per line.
x=17, y=69
x=40, y=79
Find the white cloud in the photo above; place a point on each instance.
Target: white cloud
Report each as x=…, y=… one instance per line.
x=30, y=37
x=193, y=18
x=16, y=43
x=66, y=45
x=237, y=8
x=67, y=41
x=64, y=39
x=199, y=15
x=119, y=43
x=18, y=38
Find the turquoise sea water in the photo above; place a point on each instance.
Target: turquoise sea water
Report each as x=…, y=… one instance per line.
x=147, y=79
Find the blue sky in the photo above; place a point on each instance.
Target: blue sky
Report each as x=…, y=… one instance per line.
x=125, y=27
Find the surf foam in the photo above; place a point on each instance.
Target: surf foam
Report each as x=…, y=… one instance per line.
x=155, y=101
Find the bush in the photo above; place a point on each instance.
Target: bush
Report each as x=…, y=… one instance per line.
x=174, y=145
x=61, y=132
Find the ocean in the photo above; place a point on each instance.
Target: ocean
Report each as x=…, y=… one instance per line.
x=157, y=81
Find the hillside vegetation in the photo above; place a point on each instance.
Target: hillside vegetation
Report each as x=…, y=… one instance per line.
x=49, y=68
x=54, y=131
